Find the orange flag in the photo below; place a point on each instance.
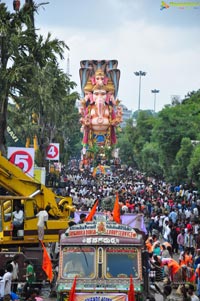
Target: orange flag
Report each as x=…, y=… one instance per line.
x=73, y=290
x=92, y=212
x=116, y=210
x=131, y=291
x=46, y=263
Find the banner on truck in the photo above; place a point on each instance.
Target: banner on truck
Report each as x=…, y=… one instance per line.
x=102, y=297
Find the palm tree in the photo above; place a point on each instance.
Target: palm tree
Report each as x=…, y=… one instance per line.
x=33, y=81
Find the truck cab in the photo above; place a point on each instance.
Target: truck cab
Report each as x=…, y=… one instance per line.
x=101, y=257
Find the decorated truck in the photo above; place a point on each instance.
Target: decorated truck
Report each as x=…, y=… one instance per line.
x=102, y=260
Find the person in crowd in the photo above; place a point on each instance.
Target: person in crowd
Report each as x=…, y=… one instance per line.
x=181, y=240
x=189, y=241
x=167, y=231
x=197, y=272
x=174, y=235
x=82, y=218
x=157, y=264
x=157, y=249
x=6, y=297
x=30, y=276
x=197, y=240
x=185, y=259
x=14, y=296
x=173, y=216
x=74, y=265
x=191, y=293
x=34, y=295
x=165, y=252
x=18, y=219
x=7, y=278
x=15, y=273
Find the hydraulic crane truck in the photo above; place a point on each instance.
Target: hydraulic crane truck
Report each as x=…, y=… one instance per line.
x=31, y=196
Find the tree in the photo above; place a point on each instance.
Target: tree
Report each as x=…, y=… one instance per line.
x=194, y=166
x=182, y=160
x=38, y=87
x=10, y=30
x=150, y=160
x=173, y=124
x=125, y=143
x=142, y=134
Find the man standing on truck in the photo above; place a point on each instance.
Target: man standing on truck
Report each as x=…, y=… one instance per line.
x=42, y=221
x=18, y=219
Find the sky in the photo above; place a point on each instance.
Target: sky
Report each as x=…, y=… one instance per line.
x=163, y=43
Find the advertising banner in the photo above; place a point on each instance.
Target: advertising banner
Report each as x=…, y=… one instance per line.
x=101, y=297
x=23, y=158
x=52, y=152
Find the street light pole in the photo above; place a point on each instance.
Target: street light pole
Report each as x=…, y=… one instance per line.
x=140, y=74
x=155, y=92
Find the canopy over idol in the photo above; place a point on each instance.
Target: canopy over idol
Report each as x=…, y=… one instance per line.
x=100, y=110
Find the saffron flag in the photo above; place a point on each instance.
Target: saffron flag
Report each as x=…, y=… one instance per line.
x=92, y=212
x=46, y=263
x=73, y=290
x=131, y=291
x=116, y=210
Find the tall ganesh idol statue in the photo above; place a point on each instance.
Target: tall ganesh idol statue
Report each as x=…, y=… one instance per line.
x=100, y=110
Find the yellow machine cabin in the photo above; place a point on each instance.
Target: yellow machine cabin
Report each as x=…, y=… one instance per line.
x=30, y=195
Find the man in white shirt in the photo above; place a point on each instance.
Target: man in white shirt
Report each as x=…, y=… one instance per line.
x=42, y=221
x=74, y=266
x=18, y=219
x=166, y=232
x=7, y=278
x=15, y=273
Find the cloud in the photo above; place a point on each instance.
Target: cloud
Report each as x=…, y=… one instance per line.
x=140, y=37
x=165, y=44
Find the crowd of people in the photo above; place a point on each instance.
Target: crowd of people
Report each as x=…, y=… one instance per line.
x=10, y=278
x=171, y=214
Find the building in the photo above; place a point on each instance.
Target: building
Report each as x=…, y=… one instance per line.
x=127, y=114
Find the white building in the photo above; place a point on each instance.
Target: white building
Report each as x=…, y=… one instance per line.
x=127, y=114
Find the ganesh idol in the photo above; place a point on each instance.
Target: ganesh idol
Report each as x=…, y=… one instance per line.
x=100, y=113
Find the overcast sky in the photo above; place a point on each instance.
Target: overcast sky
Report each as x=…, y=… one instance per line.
x=163, y=43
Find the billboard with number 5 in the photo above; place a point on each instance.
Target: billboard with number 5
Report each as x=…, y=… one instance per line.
x=23, y=158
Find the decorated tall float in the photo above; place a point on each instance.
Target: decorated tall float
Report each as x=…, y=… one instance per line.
x=100, y=109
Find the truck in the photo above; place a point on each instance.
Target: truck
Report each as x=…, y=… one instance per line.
x=112, y=255
x=17, y=188
x=31, y=195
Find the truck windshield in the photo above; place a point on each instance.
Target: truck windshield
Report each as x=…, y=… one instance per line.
x=121, y=262
x=78, y=261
